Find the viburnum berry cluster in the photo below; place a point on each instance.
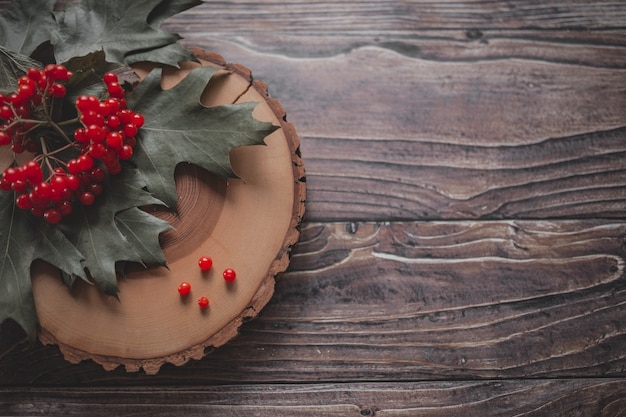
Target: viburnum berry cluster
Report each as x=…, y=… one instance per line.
x=67, y=167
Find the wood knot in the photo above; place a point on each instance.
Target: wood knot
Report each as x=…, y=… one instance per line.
x=473, y=34
x=367, y=411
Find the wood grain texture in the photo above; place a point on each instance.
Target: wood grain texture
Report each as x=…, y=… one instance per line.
x=414, y=301
x=494, y=121
x=402, y=15
x=464, y=246
x=523, y=398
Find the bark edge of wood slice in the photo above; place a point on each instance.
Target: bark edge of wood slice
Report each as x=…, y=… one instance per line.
x=204, y=202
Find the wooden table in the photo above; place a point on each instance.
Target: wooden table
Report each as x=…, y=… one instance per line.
x=463, y=250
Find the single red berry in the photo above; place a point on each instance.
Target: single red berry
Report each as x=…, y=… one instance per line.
x=98, y=174
x=6, y=112
x=85, y=162
x=115, y=90
x=80, y=135
x=72, y=182
x=125, y=152
x=52, y=215
x=5, y=139
x=109, y=78
x=113, y=121
x=137, y=120
x=17, y=147
x=26, y=90
x=113, y=105
x=61, y=73
x=103, y=108
x=5, y=185
x=58, y=90
x=23, y=202
x=114, y=140
x=66, y=208
x=205, y=263
x=229, y=275
x=49, y=70
x=19, y=186
x=184, y=288
x=125, y=115
x=73, y=167
x=43, y=190
x=34, y=74
x=97, y=150
x=203, y=302
x=130, y=129
x=10, y=174
x=87, y=198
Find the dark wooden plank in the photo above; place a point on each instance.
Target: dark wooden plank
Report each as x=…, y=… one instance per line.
x=414, y=301
x=468, y=126
x=402, y=15
x=594, y=49
x=523, y=398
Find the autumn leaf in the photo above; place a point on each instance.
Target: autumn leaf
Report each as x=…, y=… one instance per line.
x=127, y=31
x=179, y=129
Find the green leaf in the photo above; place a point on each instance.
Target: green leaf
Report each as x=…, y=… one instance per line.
x=12, y=66
x=24, y=239
x=123, y=29
x=25, y=25
x=94, y=231
x=142, y=232
x=179, y=128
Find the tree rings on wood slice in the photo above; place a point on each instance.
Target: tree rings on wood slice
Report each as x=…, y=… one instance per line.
x=248, y=224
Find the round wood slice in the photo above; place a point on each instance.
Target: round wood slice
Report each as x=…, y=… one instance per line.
x=248, y=224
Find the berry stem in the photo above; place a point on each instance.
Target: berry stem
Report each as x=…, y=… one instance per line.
x=60, y=131
x=68, y=122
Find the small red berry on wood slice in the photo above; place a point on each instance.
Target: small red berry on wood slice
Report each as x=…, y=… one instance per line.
x=203, y=302
x=184, y=288
x=229, y=275
x=205, y=263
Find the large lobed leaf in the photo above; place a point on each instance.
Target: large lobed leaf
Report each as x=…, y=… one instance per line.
x=25, y=25
x=12, y=66
x=127, y=31
x=179, y=129
x=24, y=239
x=95, y=233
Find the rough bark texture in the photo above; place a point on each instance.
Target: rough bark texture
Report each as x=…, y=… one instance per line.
x=463, y=246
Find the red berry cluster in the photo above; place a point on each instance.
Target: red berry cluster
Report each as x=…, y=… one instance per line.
x=47, y=185
x=34, y=91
